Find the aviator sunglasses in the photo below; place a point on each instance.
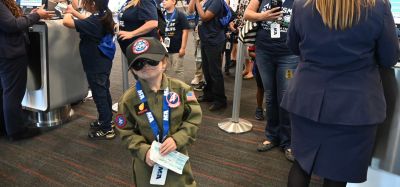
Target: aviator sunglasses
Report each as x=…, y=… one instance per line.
x=139, y=63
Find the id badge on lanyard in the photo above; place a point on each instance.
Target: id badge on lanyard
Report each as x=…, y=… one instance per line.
x=158, y=175
x=275, y=30
x=167, y=41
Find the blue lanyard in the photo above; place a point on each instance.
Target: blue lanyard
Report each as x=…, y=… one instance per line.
x=150, y=116
x=170, y=18
x=120, y=12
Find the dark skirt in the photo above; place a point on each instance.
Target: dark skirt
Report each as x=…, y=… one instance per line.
x=336, y=152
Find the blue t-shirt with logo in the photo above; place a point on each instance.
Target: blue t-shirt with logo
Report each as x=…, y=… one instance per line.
x=274, y=46
x=91, y=31
x=174, y=29
x=134, y=17
x=211, y=32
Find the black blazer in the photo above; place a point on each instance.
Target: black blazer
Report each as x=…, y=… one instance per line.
x=337, y=80
x=13, y=32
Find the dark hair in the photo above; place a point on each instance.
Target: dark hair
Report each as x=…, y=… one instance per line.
x=101, y=7
x=13, y=7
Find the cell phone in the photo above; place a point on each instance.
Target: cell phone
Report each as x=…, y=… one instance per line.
x=276, y=3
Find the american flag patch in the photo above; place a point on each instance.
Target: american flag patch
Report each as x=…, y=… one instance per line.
x=190, y=96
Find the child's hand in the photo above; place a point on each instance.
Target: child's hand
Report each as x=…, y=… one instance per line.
x=148, y=160
x=167, y=146
x=182, y=52
x=69, y=9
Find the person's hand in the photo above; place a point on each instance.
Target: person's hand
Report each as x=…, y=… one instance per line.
x=44, y=14
x=125, y=35
x=182, y=53
x=271, y=15
x=69, y=9
x=167, y=146
x=149, y=162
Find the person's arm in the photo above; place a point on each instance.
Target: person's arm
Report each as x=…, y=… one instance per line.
x=387, y=46
x=191, y=6
x=185, y=34
x=130, y=134
x=205, y=16
x=75, y=4
x=68, y=21
x=75, y=13
x=145, y=28
x=293, y=37
x=186, y=133
x=10, y=24
x=251, y=12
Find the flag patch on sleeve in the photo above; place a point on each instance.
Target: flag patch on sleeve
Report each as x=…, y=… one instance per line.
x=190, y=96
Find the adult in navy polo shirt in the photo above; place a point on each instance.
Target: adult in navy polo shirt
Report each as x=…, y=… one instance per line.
x=137, y=18
x=276, y=64
x=212, y=37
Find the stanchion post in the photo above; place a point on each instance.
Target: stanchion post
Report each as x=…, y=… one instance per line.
x=125, y=80
x=235, y=124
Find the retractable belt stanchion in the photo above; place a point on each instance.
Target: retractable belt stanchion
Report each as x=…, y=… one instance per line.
x=235, y=124
x=125, y=80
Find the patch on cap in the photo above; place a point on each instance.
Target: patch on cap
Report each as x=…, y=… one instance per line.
x=140, y=46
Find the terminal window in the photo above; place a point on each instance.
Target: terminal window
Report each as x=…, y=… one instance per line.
x=396, y=10
x=30, y=3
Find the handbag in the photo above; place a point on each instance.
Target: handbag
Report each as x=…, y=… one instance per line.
x=248, y=32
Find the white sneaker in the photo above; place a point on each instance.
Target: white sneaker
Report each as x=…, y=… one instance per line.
x=195, y=81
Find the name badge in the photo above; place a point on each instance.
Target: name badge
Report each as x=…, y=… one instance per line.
x=167, y=41
x=228, y=45
x=275, y=30
x=159, y=175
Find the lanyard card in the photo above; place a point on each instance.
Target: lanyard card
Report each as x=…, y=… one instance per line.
x=275, y=30
x=167, y=41
x=159, y=175
x=228, y=45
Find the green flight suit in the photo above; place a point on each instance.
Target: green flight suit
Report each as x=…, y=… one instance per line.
x=137, y=134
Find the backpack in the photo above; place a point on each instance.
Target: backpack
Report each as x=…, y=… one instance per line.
x=226, y=16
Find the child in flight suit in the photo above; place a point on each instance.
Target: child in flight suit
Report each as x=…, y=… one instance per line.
x=141, y=109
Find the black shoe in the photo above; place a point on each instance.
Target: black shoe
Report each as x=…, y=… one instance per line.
x=233, y=64
x=96, y=124
x=25, y=134
x=217, y=106
x=265, y=147
x=199, y=87
x=101, y=134
x=289, y=155
x=201, y=99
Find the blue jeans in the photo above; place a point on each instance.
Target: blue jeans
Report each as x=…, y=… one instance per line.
x=100, y=85
x=275, y=72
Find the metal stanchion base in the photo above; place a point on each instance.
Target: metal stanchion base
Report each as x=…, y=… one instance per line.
x=115, y=107
x=235, y=127
x=52, y=118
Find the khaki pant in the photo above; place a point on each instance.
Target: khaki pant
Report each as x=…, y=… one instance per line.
x=175, y=66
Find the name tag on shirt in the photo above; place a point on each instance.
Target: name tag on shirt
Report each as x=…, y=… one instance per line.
x=167, y=41
x=159, y=175
x=275, y=30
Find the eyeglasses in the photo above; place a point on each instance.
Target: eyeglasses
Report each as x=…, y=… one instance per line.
x=139, y=63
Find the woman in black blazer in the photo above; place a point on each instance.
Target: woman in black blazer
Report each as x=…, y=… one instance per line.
x=336, y=97
x=13, y=65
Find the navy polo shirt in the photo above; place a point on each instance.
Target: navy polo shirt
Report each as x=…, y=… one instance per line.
x=91, y=32
x=136, y=16
x=274, y=46
x=174, y=30
x=211, y=32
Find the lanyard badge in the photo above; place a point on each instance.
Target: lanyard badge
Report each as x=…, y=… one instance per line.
x=275, y=30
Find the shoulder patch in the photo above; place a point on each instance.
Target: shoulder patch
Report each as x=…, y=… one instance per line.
x=190, y=96
x=120, y=121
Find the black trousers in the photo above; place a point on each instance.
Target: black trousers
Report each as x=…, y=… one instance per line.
x=212, y=61
x=13, y=75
